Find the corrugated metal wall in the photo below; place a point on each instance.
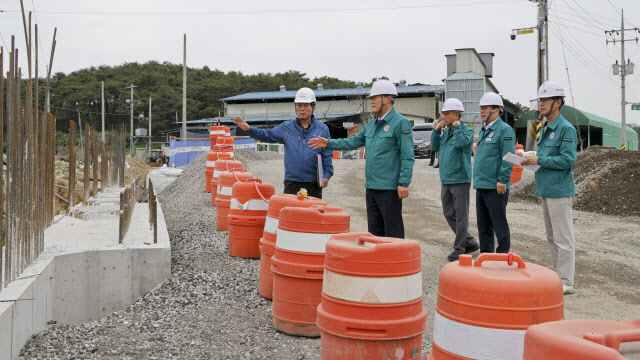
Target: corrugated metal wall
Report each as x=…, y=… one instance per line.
x=469, y=91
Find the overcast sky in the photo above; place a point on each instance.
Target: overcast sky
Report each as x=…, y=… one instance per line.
x=352, y=40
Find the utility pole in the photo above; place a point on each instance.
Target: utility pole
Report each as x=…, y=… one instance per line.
x=623, y=69
x=149, y=148
x=184, y=90
x=132, y=104
x=103, y=112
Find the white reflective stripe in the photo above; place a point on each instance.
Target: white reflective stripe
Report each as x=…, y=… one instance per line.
x=271, y=225
x=211, y=164
x=477, y=342
x=216, y=132
x=372, y=290
x=231, y=153
x=302, y=242
x=253, y=204
x=224, y=190
x=216, y=173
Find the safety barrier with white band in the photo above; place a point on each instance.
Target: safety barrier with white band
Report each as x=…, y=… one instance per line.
x=372, y=290
x=253, y=204
x=225, y=190
x=302, y=242
x=477, y=342
x=271, y=225
x=211, y=164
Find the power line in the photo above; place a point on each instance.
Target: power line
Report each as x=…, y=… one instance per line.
x=88, y=112
x=274, y=11
x=579, y=23
x=589, y=14
x=572, y=14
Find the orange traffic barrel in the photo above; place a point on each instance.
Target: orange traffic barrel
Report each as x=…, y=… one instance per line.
x=516, y=172
x=298, y=264
x=336, y=154
x=224, y=192
x=225, y=144
x=268, y=240
x=217, y=131
x=584, y=340
x=213, y=156
x=222, y=165
x=248, y=210
x=372, y=298
x=485, y=306
x=208, y=175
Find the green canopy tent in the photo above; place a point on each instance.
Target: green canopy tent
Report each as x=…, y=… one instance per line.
x=594, y=130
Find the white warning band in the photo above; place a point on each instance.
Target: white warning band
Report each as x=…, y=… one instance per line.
x=372, y=290
x=253, y=204
x=271, y=225
x=224, y=190
x=216, y=173
x=302, y=242
x=211, y=164
x=477, y=342
x=216, y=132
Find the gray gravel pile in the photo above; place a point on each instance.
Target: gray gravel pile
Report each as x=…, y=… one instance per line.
x=209, y=308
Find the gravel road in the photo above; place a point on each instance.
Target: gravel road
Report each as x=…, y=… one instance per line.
x=210, y=307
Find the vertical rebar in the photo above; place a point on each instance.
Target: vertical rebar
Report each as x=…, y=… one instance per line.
x=87, y=159
x=104, y=165
x=72, y=163
x=94, y=161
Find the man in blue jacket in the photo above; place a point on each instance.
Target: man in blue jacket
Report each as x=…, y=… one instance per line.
x=557, y=147
x=300, y=162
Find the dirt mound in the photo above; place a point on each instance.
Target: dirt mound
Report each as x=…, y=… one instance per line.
x=606, y=182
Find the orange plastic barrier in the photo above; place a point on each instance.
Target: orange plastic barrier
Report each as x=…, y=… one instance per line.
x=208, y=174
x=485, y=307
x=224, y=192
x=516, y=173
x=213, y=156
x=248, y=210
x=583, y=340
x=336, y=154
x=225, y=144
x=372, y=298
x=268, y=240
x=220, y=166
x=298, y=263
x=217, y=131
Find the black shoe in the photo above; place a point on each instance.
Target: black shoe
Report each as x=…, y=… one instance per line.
x=472, y=248
x=430, y=164
x=454, y=256
x=437, y=166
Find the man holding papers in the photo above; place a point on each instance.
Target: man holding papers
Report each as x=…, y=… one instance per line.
x=492, y=175
x=388, y=141
x=556, y=156
x=300, y=163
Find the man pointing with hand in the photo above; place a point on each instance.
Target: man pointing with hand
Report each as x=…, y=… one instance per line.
x=388, y=142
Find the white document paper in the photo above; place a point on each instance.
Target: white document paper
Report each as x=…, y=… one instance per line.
x=517, y=160
x=320, y=169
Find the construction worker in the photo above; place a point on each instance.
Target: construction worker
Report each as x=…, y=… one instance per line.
x=434, y=154
x=388, y=142
x=453, y=139
x=492, y=175
x=556, y=155
x=300, y=162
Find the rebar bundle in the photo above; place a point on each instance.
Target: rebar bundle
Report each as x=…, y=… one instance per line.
x=128, y=200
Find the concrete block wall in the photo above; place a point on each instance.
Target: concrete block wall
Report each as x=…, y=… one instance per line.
x=74, y=285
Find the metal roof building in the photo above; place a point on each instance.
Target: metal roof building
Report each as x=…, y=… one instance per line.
x=594, y=129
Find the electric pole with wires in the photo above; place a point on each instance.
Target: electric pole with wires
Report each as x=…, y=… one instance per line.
x=623, y=69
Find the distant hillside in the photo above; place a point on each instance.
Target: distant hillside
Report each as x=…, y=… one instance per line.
x=80, y=90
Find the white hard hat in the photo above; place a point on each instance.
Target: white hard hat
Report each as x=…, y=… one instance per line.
x=305, y=95
x=491, y=99
x=550, y=89
x=383, y=87
x=453, y=104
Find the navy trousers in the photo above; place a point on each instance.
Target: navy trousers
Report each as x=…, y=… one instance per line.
x=384, y=213
x=491, y=211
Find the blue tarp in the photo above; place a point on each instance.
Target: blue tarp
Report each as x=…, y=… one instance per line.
x=182, y=153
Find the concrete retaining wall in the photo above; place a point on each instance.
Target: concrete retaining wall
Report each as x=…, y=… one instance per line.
x=83, y=275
